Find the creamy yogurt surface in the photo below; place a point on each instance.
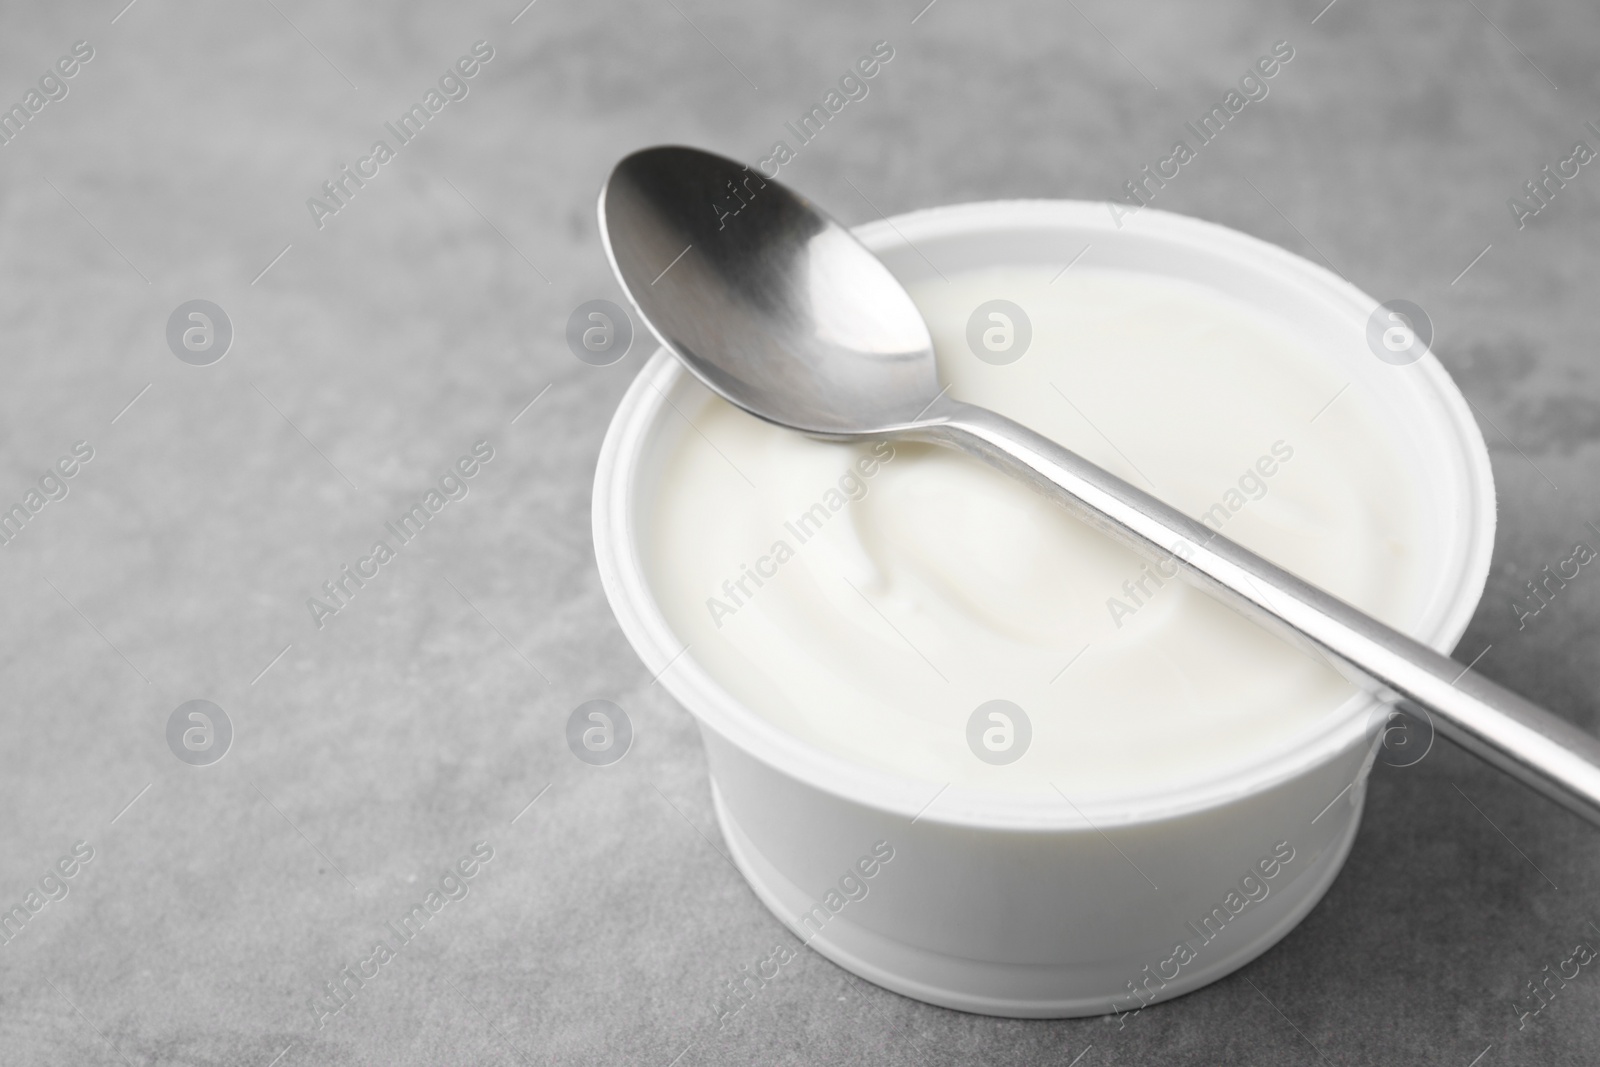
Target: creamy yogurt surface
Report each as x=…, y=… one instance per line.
x=876, y=599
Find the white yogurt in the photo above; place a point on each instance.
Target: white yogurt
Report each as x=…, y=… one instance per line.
x=869, y=598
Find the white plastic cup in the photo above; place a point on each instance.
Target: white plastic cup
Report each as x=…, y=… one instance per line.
x=1016, y=906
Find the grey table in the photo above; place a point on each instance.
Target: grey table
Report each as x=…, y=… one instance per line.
x=373, y=345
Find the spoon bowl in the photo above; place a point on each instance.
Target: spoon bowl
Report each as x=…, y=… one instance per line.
x=766, y=299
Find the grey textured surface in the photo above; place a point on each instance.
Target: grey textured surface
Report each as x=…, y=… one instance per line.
x=428, y=312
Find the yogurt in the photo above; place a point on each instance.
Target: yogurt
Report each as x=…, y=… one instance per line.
x=878, y=599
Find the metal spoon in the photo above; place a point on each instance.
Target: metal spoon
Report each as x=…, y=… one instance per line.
x=782, y=312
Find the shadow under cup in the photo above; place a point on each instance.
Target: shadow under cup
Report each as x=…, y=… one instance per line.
x=1012, y=905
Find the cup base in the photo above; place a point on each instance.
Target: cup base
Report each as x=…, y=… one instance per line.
x=1032, y=991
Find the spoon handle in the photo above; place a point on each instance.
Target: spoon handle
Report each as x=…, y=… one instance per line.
x=1531, y=744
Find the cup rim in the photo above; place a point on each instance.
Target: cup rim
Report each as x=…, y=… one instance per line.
x=714, y=708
